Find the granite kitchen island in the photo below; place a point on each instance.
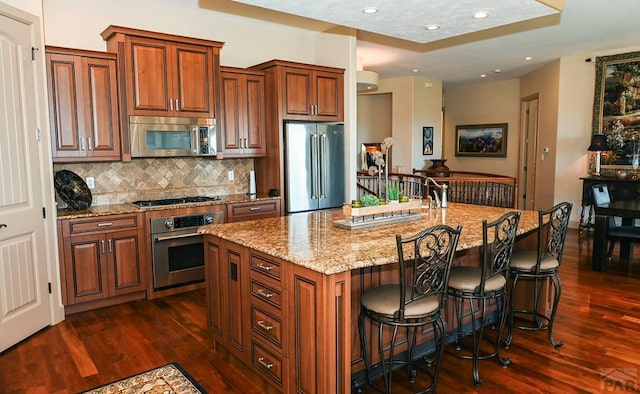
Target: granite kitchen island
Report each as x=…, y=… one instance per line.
x=283, y=293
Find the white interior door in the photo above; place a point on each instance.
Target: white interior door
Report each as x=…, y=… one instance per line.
x=24, y=296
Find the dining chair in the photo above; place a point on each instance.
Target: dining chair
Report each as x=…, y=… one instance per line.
x=478, y=285
x=539, y=266
x=615, y=232
x=424, y=262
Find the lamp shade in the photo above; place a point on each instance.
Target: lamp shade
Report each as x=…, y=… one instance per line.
x=598, y=143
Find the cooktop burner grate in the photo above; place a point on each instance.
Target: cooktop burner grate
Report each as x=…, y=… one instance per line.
x=174, y=201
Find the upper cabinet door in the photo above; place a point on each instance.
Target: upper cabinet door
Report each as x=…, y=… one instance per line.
x=64, y=94
x=328, y=95
x=101, y=108
x=148, y=77
x=194, y=82
x=298, y=93
x=243, y=113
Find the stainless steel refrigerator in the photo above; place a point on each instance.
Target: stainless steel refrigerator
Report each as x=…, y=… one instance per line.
x=314, y=166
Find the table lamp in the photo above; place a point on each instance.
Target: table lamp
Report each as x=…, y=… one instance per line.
x=598, y=144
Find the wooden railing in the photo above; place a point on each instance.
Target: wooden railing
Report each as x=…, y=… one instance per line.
x=463, y=186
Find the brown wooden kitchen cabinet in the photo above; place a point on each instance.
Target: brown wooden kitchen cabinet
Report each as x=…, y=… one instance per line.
x=246, y=292
x=83, y=105
x=102, y=259
x=226, y=276
x=166, y=75
x=290, y=316
x=253, y=210
x=307, y=92
x=243, y=113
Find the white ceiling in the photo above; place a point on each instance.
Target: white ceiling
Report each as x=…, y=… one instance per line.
x=407, y=19
x=583, y=27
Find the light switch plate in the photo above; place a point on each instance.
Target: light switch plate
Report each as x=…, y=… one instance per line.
x=231, y=176
x=91, y=182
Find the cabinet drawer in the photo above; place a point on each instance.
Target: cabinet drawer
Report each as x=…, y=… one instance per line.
x=104, y=224
x=267, y=267
x=266, y=293
x=266, y=325
x=253, y=210
x=268, y=362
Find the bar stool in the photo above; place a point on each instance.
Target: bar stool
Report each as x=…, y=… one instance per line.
x=424, y=261
x=539, y=266
x=479, y=285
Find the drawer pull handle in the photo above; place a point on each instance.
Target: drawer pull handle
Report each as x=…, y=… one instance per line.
x=264, y=267
x=264, y=364
x=264, y=326
x=3, y=225
x=255, y=208
x=106, y=224
x=264, y=294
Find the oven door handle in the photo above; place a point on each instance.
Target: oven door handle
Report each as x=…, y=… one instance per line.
x=158, y=239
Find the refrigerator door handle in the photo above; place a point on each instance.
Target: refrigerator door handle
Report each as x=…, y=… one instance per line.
x=314, y=166
x=324, y=156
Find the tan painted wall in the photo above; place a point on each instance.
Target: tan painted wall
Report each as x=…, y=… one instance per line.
x=31, y=6
x=545, y=81
x=413, y=106
x=489, y=102
x=374, y=116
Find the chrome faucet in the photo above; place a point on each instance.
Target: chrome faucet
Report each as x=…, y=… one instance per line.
x=443, y=187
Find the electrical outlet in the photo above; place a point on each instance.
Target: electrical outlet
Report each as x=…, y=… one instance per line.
x=91, y=182
x=231, y=176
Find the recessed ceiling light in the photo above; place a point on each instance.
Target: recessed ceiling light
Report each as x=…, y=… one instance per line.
x=432, y=27
x=483, y=75
x=528, y=58
x=497, y=70
x=480, y=15
x=415, y=70
x=370, y=10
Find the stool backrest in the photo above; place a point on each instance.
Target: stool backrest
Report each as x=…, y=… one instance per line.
x=552, y=231
x=498, y=238
x=425, y=261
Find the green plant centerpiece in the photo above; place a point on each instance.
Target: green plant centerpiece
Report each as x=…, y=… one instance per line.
x=393, y=191
x=369, y=200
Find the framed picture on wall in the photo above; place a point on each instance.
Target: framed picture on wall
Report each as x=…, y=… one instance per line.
x=427, y=140
x=482, y=140
x=616, y=107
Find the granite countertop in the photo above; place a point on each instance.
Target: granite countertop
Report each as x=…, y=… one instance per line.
x=118, y=209
x=313, y=240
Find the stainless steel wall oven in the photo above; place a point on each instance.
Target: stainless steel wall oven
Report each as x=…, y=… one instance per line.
x=178, y=250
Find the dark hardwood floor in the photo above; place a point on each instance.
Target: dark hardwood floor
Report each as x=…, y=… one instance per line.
x=598, y=320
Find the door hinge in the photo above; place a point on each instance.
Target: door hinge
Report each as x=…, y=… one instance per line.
x=33, y=52
x=49, y=287
x=44, y=212
x=38, y=135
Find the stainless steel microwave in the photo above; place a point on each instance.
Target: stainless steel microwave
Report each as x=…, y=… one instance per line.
x=168, y=136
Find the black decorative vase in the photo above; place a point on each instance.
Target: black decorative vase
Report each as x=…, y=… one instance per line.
x=438, y=168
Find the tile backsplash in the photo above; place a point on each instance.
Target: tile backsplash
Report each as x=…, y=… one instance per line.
x=145, y=179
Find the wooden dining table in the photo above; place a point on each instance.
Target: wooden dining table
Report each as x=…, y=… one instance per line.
x=628, y=210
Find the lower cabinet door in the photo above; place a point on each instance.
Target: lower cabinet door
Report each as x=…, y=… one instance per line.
x=84, y=261
x=125, y=269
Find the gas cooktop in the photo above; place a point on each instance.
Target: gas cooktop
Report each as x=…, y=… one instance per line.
x=174, y=201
